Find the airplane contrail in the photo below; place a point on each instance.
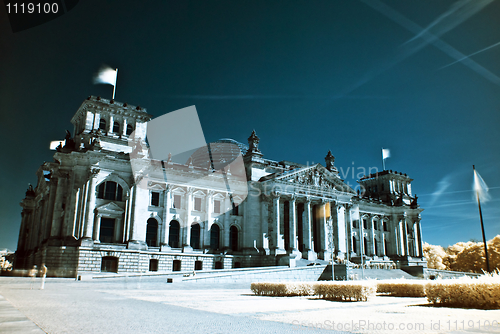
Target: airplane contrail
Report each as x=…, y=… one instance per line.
x=426, y=38
x=257, y=97
x=429, y=38
x=455, y=15
x=472, y=54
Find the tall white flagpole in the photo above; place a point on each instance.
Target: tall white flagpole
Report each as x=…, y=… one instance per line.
x=481, y=219
x=383, y=160
x=114, y=86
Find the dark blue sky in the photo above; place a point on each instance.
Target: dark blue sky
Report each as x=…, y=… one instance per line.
x=308, y=76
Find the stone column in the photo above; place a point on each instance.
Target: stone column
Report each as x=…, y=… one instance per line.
x=186, y=247
x=124, y=127
x=420, y=243
x=372, y=235
x=361, y=238
x=401, y=240
x=166, y=221
x=292, y=218
x=406, y=242
x=308, y=252
x=118, y=230
x=57, y=218
x=133, y=228
x=90, y=207
x=83, y=209
x=278, y=242
x=76, y=217
x=110, y=126
x=227, y=209
x=209, y=220
x=126, y=221
x=342, y=231
x=383, y=244
x=416, y=248
x=97, y=227
x=323, y=233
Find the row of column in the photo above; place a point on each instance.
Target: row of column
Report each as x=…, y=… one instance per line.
x=399, y=186
x=110, y=125
x=406, y=241
x=311, y=222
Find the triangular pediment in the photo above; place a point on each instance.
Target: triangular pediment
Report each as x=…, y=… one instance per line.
x=110, y=207
x=313, y=176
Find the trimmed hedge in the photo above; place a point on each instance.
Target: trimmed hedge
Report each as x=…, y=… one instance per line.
x=402, y=288
x=466, y=292
x=288, y=289
x=344, y=291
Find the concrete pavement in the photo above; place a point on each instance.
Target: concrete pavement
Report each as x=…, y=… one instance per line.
x=149, y=305
x=13, y=321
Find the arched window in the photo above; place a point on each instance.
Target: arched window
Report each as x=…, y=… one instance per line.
x=173, y=234
x=354, y=245
x=130, y=129
x=102, y=124
x=152, y=232
x=376, y=247
x=233, y=238
x=110, y=190
x=385, y=247
x=214, y=237
x=116, y=127
x=365, y=245
x=195, y=236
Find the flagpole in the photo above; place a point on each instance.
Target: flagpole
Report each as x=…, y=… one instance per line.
x=383, y=160
x=114, y=86
x=482, y=225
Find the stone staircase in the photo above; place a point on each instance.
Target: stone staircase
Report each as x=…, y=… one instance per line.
x=380, y=274
x=263, y=274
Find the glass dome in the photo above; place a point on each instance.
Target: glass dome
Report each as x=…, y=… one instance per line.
x=223, y=152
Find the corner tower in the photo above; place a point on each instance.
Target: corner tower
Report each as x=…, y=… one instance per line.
x=112, y=123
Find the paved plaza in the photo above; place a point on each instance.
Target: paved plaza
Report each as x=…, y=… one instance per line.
x=150, y=305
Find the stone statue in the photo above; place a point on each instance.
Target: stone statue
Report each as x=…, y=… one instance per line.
x=316, y=178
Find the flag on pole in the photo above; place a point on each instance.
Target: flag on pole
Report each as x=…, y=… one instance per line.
x=386, y=153
x=480, y=188
x=107, y=75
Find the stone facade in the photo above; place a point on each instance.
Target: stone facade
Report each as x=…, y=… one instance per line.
x=105, y=204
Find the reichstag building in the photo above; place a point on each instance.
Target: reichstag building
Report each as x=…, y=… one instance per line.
x=105, y=204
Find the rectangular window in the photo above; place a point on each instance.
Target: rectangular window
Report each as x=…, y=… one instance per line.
x=153, y=265
x=235, y=209
x=217, y=206
x=107, y=230
x=365, y=224
x=197, y=204
x=176, y=266
x=177, y=201
x=155, y=198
